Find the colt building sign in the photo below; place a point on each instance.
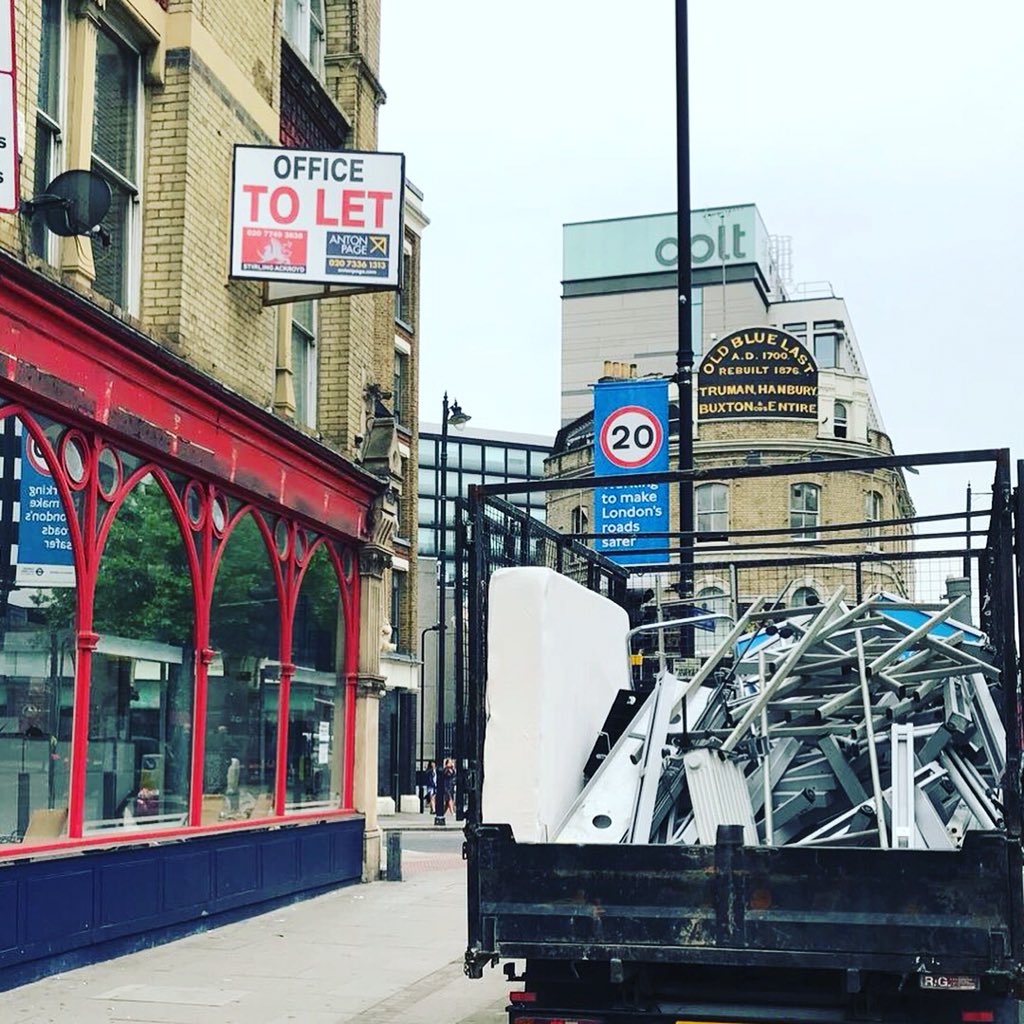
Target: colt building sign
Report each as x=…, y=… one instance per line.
x=758, y=372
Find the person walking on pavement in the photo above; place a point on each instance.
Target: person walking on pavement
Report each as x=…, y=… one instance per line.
x=447, y=786
x=430, y=785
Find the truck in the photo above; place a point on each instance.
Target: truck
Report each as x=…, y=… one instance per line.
x=731, y=928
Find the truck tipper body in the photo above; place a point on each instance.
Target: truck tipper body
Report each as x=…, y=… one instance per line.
x=775, y=924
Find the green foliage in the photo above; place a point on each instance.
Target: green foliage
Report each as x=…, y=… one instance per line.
x=144, y=589
x=244, y=615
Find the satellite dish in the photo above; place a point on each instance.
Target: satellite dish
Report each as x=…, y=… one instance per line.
x=74, y=203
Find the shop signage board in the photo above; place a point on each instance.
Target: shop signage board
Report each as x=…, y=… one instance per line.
x=759, y=372
x=630, y=438
x=8, y=112
x=311, y=222
x=44, y=544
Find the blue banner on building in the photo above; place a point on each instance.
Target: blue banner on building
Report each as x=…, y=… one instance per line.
x=631, y=438
x=44, y=544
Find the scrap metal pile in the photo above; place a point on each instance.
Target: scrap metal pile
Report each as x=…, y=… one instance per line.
x=874, y=725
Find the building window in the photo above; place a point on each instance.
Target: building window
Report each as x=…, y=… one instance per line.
x=872, y=511
x=397, y=600
x=826, y=351
x=839, y=421
x=400, y=386
x=804, y=503
x=304, y=27
x=798, y=330
x=316, y=699
x=712, y=505
x=714, y=600
x=580, y=519
x=403, y=297
x=49, y=118
x=805, y=597
x=115, y=157
x=304, y=361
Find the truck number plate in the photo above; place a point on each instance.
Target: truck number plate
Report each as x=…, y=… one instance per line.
x=951, y=982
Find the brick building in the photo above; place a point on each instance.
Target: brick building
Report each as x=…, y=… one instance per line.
x=619, y=320
x=215, y=491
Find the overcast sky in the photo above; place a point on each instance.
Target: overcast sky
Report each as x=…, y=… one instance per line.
x=885, y=138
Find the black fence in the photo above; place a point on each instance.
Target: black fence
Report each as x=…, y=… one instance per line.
x=966, y=546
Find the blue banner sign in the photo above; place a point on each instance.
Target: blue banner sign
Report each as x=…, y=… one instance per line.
x=44, y=544
x=631, y=438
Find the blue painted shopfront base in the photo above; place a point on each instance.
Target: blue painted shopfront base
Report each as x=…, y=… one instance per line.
x=60, y=911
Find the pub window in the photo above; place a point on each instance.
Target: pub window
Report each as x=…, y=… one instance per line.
x=839, y=419
x=798, y=330
x=872, y=511
x=804, y=502
x=805, y=597
x=712, y=506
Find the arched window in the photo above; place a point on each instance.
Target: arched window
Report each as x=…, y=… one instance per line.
x=706, y=641
x=712, y=507
x=804, y=505
x=316, y=700
x=141, y=684
x=839, y=419
x=243, y=680
x=805, y=597
x=38, y=604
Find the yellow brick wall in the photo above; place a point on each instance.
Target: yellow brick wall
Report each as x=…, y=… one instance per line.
x=763, y=503
x=215, y=83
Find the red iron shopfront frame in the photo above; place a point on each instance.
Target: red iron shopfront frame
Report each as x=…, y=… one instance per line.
x=62, y=358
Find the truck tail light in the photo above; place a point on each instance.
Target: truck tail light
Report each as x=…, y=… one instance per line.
x=977, y=1015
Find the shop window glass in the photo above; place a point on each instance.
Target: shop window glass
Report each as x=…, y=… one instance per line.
x=37, y=647
x=243, y=681
x=140, y=697
x=316, y=702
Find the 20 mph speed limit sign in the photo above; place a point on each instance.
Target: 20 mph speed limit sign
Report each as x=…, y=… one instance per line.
x=631, y=441
x=631, y=437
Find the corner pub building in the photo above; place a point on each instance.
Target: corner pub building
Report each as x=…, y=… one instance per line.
x=193, y=540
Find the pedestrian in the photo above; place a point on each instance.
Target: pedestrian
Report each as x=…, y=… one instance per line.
x=429, y=785
x=448, y=786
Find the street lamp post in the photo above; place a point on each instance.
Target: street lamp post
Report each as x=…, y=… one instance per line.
x=457, y=418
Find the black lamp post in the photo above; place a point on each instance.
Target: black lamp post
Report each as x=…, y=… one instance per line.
x=457, y=418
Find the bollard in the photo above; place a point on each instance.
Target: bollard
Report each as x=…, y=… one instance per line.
x=394, y=855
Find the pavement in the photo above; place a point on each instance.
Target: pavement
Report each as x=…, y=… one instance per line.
x=368, y=953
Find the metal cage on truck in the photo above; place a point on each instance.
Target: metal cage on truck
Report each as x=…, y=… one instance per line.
x=726, y=905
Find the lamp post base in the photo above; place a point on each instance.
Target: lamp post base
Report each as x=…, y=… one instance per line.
x=439, y=819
